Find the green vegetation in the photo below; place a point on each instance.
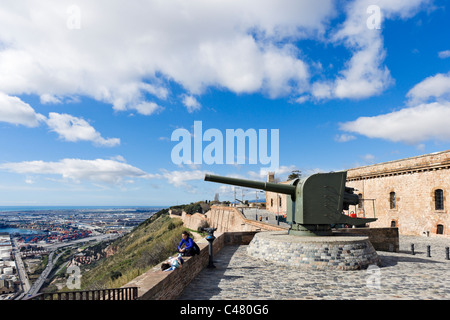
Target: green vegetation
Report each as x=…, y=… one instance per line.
x=194, y=207
x=150, y=243
x=40, y=268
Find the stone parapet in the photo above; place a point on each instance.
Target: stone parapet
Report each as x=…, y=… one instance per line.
x=428, y=162
x=226, y=219
x=168, y=285
x=382, y=239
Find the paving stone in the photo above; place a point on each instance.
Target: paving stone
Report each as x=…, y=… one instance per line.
x=401, y=276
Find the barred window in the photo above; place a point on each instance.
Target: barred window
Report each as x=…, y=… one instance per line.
x=392, y=200
x=439, y=199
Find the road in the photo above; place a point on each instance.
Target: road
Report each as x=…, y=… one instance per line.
x=101, y=237
x=20, y=267
x=40, y=281
x=51, y=262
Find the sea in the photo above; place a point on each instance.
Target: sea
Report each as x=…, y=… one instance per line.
x=19, y=231
x=36, y=208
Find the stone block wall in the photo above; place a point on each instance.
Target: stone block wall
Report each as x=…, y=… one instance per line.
x=414, y=182
x=226, y=219
x=382, y=239
x=168, y=285
x=315, y=253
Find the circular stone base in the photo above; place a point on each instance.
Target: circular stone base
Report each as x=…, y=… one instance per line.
x=321, y=253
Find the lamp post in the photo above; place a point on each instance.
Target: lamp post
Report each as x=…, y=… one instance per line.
x=256, y=192
x=210, y=238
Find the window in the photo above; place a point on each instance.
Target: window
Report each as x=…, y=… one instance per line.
x=393, y=224
x=392, y=200
x=440, y=229
x=280, y=201
x=360, y=203
x=439, y=199
x=271, y=202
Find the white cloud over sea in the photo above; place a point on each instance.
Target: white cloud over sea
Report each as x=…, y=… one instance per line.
x=425, y=116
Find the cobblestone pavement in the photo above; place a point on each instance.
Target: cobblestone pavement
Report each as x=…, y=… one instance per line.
x=401, y=276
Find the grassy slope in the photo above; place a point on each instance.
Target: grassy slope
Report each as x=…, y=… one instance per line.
x=148, y=244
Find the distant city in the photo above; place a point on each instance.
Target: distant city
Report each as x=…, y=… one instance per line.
x=29, y=237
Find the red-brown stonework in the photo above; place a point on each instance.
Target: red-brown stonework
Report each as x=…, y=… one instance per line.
x=414, y=181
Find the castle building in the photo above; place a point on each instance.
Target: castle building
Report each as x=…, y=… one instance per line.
x=275, y=202
x=411, y=194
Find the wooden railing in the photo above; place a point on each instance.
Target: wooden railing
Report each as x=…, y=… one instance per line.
x=128, y=293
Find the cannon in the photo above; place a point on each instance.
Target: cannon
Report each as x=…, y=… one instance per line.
x=313, y=203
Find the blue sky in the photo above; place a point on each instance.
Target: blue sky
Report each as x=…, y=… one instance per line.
x=91, y=92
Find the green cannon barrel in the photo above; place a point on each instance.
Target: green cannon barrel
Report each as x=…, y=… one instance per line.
x=267, y=186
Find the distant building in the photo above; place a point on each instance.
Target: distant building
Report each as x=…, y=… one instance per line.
x=275, y=202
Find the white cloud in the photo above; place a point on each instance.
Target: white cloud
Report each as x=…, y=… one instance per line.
x=114, y=171
x=191, y=103
x=368, y=157
x=425, y=117
x=436, y=87
x=29, y=180
x=444, y=54
x=126, y=55
x=409, y=125
x=118, y=158
x=344, y=137
x=77, y=170
x=74, y=129
x=280, y=172
x=49, y=99
x=364, y=74
x=148, y=108
x=179, y=178
x=15, y=111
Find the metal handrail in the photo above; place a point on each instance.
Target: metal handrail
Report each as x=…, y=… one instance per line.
x=126, y=293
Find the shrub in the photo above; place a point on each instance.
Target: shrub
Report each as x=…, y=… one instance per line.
x=115, y=274
x=203, y=224
x=171, y=226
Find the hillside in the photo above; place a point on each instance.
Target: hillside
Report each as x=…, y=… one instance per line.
x=148, y=244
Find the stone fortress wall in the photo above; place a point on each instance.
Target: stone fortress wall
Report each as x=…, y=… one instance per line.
x=225, y=219
x=410, y=194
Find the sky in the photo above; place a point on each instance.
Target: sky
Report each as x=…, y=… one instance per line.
x=97, y=97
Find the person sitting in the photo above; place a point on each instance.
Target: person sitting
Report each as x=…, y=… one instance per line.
x=190, y=247
x=172, y=263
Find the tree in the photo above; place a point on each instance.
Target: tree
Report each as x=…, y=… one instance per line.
x=193, y=208
x=295, y=174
